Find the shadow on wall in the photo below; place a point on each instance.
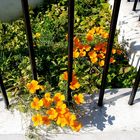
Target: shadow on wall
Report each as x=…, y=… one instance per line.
x=11, y=9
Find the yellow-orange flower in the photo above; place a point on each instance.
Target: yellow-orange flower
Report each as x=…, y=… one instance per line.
x=41, y=87
x=75, y=54
x=61, y=120
x=101, y=63
x=37, y=35
x=47, y=95
x=101, y=56
x=112, y=60
x=82, y=53
x=87, y=48
x=37, y=120
x=65, y=75
x=119, y=52
x=113, y=51
x=52, y=114
x=89, y=37
x=33, y=86
x=36, y=103
x=61, y=108
x=92, y=54
x=76, y=126
x=74, y=84
x=47, y=102
x=94, y=60
x=76, y=41
x=45, y=120
x=79, y=98
x=105, y=35
x=58, y=97
x=70, y=118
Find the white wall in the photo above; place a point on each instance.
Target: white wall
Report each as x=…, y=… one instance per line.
x=10, y=9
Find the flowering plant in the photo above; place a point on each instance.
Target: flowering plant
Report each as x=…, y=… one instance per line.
x=89, y=58
x=49, y=108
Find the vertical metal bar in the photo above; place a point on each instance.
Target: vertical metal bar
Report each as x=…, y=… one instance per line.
x=6, y=101
x=29, y=37
x=70, y=45
x=135, y=5
x=109, y=48
x=135, y=87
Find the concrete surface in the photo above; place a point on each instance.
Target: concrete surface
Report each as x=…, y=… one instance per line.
x=11, y=9
x=129, y=27
x=116, y=120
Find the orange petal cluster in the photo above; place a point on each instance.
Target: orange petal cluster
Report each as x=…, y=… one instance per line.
x=56, y=111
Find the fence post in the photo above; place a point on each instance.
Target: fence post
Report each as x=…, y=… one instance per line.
x=109, y=48
x=6, y=101
x=29, y=37
x=135, y=5
x=135, y=87
x=70, y=45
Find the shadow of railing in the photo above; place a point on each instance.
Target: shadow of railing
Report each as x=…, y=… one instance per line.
x=95, y=117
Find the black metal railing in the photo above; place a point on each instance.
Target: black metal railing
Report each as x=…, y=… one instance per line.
x=109, y=48
x=70, y=50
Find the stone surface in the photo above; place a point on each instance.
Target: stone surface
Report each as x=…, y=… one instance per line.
x=116, y=120
x=129, y=28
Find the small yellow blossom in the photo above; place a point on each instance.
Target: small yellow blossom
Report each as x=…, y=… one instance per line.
x=101, y=63
x=52, y=113
x=45, y=120
x=36, y=103
x=58, y=97
x=33, y=86
x=79, y=98
x=37, y=120
x=37, y=35
x=76, y=126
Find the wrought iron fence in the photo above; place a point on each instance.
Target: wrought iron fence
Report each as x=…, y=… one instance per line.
x=70, y=51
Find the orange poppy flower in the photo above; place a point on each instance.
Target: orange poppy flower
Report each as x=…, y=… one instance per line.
x=101, y=55
x=52, y=114
x=112, y=60
x=36, y=103
x=89, y=37
x=92, y=54
x=79, y=98
x=33, y=86
x=45, y=120
x=87, y=48
x=82, y=53
x=61, y=120
x=119, y=52
x=37, y=120
x=58, y=97
x=74, y=84
x=113, y=51
x=101, y=63
x=65, y=75
x=94, y=60
x=76, y=54
x=61, y=108
x=76, y=126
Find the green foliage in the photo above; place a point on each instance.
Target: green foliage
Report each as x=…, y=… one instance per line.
x=51, y=22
